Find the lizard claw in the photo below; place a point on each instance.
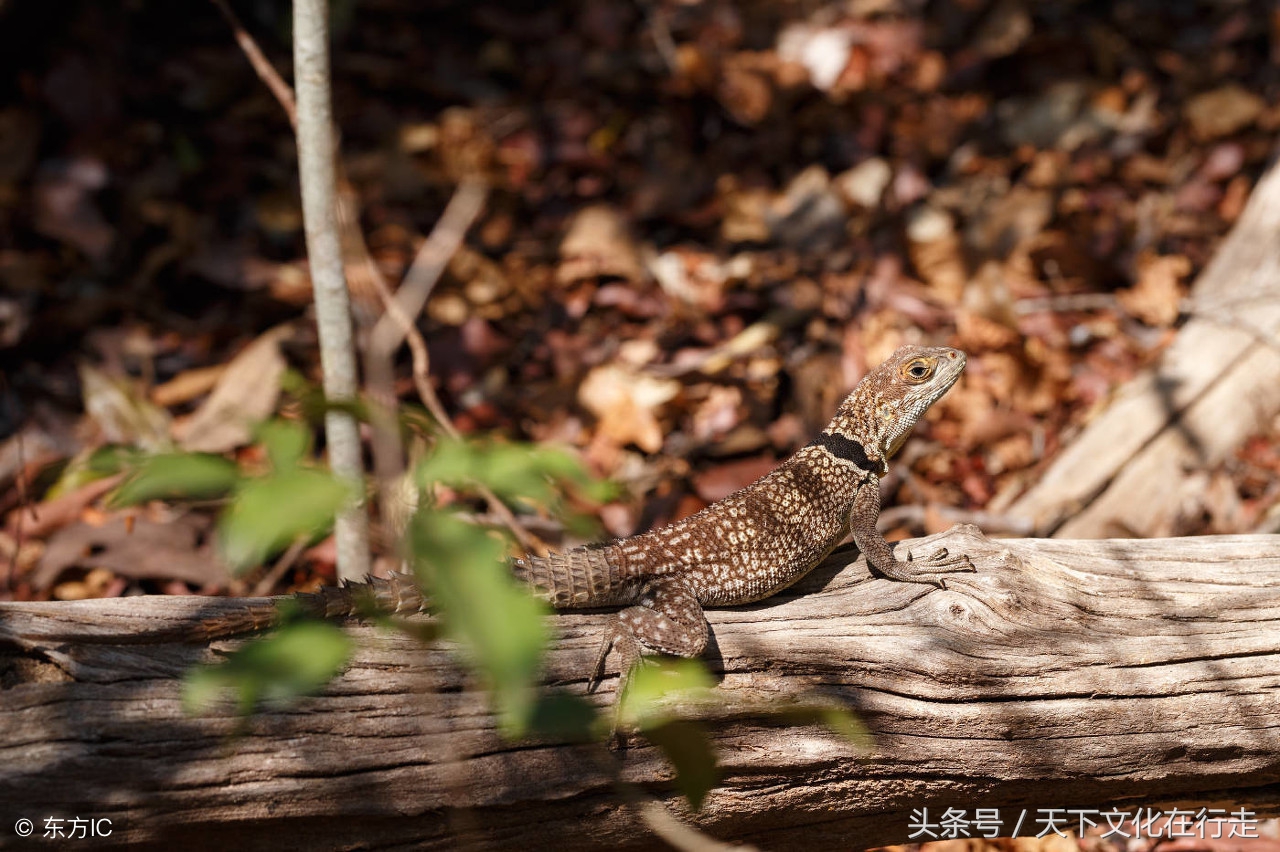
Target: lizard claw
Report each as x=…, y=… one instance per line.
x=597, y=673
x=930, y=570
x=941, y=562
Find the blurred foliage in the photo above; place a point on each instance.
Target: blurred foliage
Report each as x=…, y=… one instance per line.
x=519, y=473
x=648, y=705
x=266, y=512
x=190, y=476
x=90, y=466
x=499, y=628
x=296, y=660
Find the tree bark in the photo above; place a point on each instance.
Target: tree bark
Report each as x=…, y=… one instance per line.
x=1063, y=674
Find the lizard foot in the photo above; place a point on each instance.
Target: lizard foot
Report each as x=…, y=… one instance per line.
x=930, y=570
x=620, y=733
x=617, y=637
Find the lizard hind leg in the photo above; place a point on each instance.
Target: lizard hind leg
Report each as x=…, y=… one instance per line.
x=667, y=619
x=628, y=649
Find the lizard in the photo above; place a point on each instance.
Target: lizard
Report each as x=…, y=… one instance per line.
x=738, y=550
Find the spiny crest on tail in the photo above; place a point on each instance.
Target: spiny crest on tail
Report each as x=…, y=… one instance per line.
x=584, y=577
x=394, y=594
x=890, y=399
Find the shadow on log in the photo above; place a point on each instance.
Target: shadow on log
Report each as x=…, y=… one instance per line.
x=1064, y=674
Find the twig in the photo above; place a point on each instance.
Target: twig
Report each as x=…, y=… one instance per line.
x=332, y=317
x=396, y=325
x=265, y=70
x=662, y=39
x=429, y=264
x=283, y=564
x=328, y=279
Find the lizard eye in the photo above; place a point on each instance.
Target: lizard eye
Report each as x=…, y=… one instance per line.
x=917, y=370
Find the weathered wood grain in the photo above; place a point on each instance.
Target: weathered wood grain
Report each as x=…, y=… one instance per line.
x=1062, y=674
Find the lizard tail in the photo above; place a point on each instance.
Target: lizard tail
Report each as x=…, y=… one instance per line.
x=391, y=595
x=584, y=577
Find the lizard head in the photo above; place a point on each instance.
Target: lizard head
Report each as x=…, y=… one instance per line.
x=890, y=399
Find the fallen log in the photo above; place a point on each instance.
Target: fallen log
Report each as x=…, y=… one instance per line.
x=1064, y=674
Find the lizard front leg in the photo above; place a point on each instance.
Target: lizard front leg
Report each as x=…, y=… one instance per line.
x=862, y=523
x=667, y=618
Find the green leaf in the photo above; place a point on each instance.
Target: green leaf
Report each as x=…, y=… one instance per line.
x=656, y=684
x=86, y=467
x=285, y=441
x=561, y=716
x=311, y=399
x=177, y=476
x=111, y=459
x=511, y=470
x=268, y=514
x=498, y=624
x=686, y=745
x=204, y=686
x=655, y=687
x=298, y=659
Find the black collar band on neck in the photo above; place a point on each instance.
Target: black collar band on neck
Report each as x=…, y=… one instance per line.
x=845, y=448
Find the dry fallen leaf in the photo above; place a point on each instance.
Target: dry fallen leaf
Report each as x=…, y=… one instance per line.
x=245, y=395
x=1157, y=296
x=168, y=550
x=937, y=253
x=43, y=518
x=626, y=402
x=823, y=51
x=744, y=212
x=864, y=184
x=1222, y=111
x=124, y=415
x=808, y=214
x=599, y=244
x=1004, y=29
x=98, y=583
x=187, y=385
x=745, y=93
x=720, y=412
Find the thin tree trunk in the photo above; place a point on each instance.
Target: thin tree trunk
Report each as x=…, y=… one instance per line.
x=324, y=252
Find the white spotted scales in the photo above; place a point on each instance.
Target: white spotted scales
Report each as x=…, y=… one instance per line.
x=766, y=536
